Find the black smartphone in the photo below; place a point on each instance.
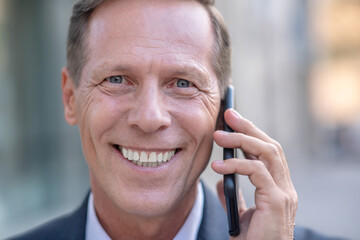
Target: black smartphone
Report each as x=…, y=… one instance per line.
x=230, y=180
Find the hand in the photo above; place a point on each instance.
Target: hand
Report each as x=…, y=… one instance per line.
x=273, y=216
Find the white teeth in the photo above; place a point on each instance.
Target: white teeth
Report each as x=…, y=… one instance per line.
x=124, y=152
x=143, y=159
x=152, y=157
x=136, y=156
x=165, y=159
x=160, y=157
x=130, y=155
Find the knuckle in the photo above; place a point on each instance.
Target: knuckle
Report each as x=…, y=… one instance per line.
x=295, y=198
x=258, y=165
x=293, y=203
x=272, y=149
x=288, y=199
x=284, y=201
x=240, y=138
x=281, y=201
x=278, y=146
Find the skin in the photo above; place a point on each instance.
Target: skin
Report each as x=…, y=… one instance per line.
x=154, y=47
x=167, y=41
x=266, y=166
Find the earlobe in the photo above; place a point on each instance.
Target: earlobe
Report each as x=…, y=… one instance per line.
x=68, y=97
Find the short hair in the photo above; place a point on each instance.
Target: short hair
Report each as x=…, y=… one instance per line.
x=78, y=29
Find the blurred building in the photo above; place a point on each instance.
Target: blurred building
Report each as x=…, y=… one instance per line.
x=296, y=71
x=42, y=171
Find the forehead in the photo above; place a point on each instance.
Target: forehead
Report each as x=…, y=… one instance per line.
x=139, y=25
x=153, y=17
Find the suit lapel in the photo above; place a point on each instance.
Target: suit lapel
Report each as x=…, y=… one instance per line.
x=214, y=223
x=75, y=225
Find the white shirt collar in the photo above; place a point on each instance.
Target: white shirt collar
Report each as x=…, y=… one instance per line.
x=189, y=231
x=191, y=226
x=94, y=230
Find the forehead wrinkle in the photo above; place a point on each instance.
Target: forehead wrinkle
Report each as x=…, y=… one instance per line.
x=176, y=44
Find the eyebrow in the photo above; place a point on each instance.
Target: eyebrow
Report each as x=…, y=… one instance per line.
x=106, y=67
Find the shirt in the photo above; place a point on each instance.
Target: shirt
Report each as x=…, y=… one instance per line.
x=189, y=231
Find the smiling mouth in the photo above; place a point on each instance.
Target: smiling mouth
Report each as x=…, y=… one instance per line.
x=146, y=159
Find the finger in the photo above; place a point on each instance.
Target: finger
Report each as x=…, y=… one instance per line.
x=249, y=156
x=220, y=192
x=263, y=151
x=242, y=125
x=251, y=145
x=256, y=170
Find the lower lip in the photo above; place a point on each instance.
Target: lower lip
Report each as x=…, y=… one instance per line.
x=146, y=169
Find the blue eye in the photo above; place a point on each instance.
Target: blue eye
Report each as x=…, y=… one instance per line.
x=116, y=79
x=182, y=83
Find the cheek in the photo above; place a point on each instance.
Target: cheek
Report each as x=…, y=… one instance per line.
x=198, y=118
x=98, y=116
x=200, y=113
x=198, y=121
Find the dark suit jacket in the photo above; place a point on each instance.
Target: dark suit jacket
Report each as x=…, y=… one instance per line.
x=213, y=225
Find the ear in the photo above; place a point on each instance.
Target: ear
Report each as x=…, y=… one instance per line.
x=220, y=118
x=68, y=97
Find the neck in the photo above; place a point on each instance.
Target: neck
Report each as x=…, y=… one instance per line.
x=121, y=225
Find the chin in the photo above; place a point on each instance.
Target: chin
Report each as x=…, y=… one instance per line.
x=149, y=204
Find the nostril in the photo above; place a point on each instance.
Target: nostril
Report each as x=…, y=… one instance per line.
x=150, y=125
x=149, y=114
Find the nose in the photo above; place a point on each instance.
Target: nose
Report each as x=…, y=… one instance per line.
x=149, y=112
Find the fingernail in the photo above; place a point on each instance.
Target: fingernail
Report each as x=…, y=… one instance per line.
x=221, y=132
x=236, y=113
x=218, y=162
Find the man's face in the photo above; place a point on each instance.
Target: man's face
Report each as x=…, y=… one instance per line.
x=147, y=87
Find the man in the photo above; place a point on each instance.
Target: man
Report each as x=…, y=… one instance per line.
x=144, y=82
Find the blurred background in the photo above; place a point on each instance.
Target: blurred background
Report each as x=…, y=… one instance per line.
x=296, y=71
